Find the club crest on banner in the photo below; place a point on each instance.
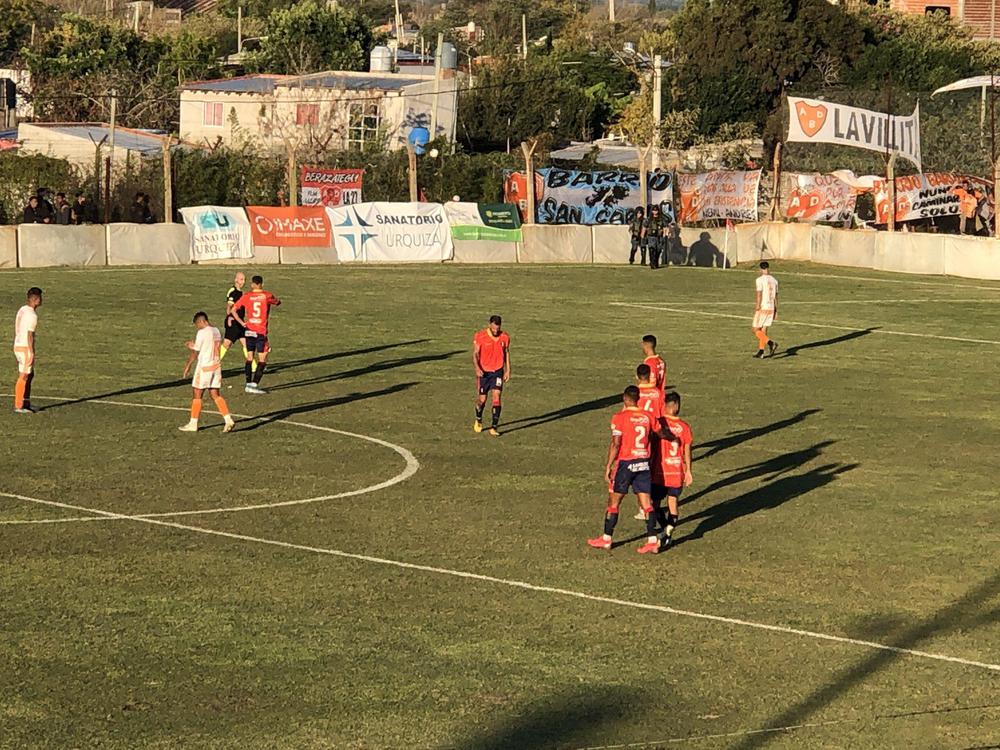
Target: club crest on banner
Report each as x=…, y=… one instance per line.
x=811, y=117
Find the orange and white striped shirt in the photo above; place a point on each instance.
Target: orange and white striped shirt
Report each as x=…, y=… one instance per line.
x=26, y=322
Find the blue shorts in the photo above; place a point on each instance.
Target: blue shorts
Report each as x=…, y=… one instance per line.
x=257, y=343
x=491, y=381
x=661, y=493
x=634, y=474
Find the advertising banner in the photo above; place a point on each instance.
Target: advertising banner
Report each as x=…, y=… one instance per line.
x=564, y=196
x=330, y=187
x=500, y=222
x=218, y=232
x=811, y=121
x=816, y=197
x=930, y=195
x=718, y=195
x=391, y=233
x=287, y=226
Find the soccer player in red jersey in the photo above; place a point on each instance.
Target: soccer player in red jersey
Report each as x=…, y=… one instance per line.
x=672, y=473
x=628, y=468
x=255, y=306
x=491, y=358
x=656, y=364
x=651, y=402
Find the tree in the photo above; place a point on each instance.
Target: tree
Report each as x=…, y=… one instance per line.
x=16, y=22
x=310, y=37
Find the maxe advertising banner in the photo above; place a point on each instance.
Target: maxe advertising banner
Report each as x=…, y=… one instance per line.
x=391, y=233
x=930, y=195
x=812, y=121
x=330, y=187
x=718, y=195
x=816, y=197
x=288, y=226
x=218, y=232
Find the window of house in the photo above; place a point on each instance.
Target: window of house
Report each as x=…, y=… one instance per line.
x=213, y=114
x=363, y=125
x=930, y=10
x=307, y=114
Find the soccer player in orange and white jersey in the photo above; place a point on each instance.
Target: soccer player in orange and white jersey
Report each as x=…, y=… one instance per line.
x=491, y=358
x=657, y=366
x=628, y=467
x=766, y=310
x=25, y=325
x=672, y=473
x=255, y=307
x=207, y=373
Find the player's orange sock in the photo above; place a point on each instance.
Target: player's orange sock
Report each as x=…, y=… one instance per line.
x=221, y=405
x=22, y=382
x=195, y=408
x=761, y=337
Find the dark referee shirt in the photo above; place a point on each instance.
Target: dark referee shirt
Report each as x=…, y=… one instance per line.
x=233, y=296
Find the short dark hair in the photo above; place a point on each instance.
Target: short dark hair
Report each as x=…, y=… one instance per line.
x=60, y=195
x=673, y=398
x=643, y=372
x=765, y=264
x=256, y=279
x=495, y=319
x=200, y=315
x=631, y=394
x=649, y=339
x=34, y=292
x=79, y=194
x=640, y=211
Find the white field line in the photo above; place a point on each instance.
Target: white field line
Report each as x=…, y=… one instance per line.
x=782, y=321
x=873, y=279
x=516, y=584
x=838, y=303
x=411, y=468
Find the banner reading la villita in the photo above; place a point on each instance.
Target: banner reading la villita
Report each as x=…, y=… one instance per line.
x=812, y=121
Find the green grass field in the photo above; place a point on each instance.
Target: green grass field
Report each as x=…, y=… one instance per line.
x=845, y=488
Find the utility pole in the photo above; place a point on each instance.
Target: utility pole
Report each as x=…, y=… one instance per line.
x=168, y=182
x=437, y=86
x=111, y=153
x=611, y=11
x=528, y=149
x=524, y=37
x=239, y=28
x=657, y=106
x=411, y=154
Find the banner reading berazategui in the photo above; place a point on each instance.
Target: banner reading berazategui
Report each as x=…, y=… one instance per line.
x=811, y=121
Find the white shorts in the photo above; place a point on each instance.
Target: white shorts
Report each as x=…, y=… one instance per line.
x=763, y=319
x=204, y=380
x=25, y=360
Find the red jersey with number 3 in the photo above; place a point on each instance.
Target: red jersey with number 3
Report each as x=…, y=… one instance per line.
x=658, y=368
x=257, y=304
x=634, y=427
x=669, y=470
x=492, y=349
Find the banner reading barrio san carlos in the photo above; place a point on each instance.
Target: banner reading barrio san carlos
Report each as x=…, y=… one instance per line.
x=218, y=232
x=330, y=187
x=718, y=195
x=609, y=197
x=924, y=196
x=811, y=121
x=391, y=233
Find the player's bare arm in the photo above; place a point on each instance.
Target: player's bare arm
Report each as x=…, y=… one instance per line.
x=688, y=476
x=757, y=307
x=613, y=448
x=475, y=359
x=506, y=367
x=192, y=356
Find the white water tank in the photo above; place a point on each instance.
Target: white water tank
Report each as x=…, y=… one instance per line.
x=449, y=56
x=381, y=60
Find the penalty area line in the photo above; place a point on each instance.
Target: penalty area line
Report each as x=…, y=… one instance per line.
x=523, y=585
x=747, y=318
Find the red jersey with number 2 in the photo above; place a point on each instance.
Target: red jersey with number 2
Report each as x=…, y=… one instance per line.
x=669, y=470
x=492, y=350
x=257, y=304
x=634, y=427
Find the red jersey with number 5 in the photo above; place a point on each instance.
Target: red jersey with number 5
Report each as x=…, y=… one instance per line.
x=257, y=304
x=669, y=470
x=634, y=427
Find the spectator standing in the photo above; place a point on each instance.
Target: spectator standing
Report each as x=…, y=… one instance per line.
x=637, y=231
x=966, y=209
x=139, y=212
x=654, y=236
x=62, y=210
x=80, y=212
x=36, y=212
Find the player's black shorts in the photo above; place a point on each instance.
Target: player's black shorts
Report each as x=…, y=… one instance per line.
x=257, y=343
x=661, y=493
x=491, y=381
x=234, y=331
x=634, y=474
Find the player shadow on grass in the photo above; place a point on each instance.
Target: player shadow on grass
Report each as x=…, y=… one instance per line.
x=767, y=497
x=973, y=610
x=562, y=720
x=389, y=364
x=272, y=369
x=794, y=350
x=262, y=420
x=741, y=436
x=526, y=423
